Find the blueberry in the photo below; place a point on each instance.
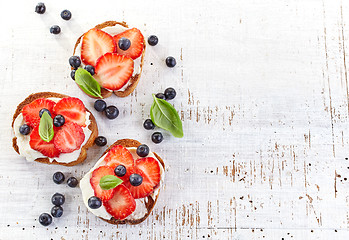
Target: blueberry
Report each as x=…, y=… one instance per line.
x=24, y=129
x=75, y=62
x=72, y=74
x=45, y=219
x=161, y=96
x=58, y=177
x=120, y=170
x=136, y=179
x=94, y=202
x=40, y=8
x=112, y=112
x=58, y=199
x=72, y=182
x=58, y=120
x=142, y=150
x=66, y=14
x=100, y=141
x=170, y=93
x=100, y=105
x=90, y=69
x=44, y=110
x=157, y=137
x=170, y=62
x=57, y=211
x=55, y=29
x=148, y=124
x=124, y=43
x=153, y=40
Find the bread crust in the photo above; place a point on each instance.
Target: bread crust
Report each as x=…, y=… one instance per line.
x=133, y=82
x=150, y=203
x=93, y=127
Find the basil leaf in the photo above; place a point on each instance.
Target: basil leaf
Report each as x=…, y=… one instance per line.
x=109, y=181
x=166, y=117
x=46, y=127
x=87, y=83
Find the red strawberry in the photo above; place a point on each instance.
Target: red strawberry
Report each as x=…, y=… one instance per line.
x=149, y=169
x=31, y=111
x=69, y=138
x=119, y=155
x=72, y=109
x=122, y=204
x=137, y=42
x=46, y=148
x=113, y=71
x=97, y=174
x=95, y=43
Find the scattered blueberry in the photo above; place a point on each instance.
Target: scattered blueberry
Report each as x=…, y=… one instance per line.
x=94, y=202
x=55, y=29
x=58, y=199
x=58, y=120
x=170, y=62
x=44, y=110
x=58, y=177
x=90, y=69
x=136, y=179
x=148, y=124
x=100, y=105
x=142, y=150
x=72, y=182
x=124, y=43
x=72, y=74
x=24, y=129
x=120, y=170
x=112, y=112
x=45, y=219
x=170, y=93
x=153, y=40
x=66, y=14
x=161, y=96
x=40, y=8
x=100, y=141
x=157, y=137
x=57, y=211
x=75, y=61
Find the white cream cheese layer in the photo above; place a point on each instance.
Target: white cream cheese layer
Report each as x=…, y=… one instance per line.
x=140, y=211
x=30, y=154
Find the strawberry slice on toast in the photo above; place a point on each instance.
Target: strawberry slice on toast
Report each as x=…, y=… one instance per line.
x=97, y=174
x=48, y=149
x=73, y=110
x=69, y=138
x=31, y=111
x=137, y=43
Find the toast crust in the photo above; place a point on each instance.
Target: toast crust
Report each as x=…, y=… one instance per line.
x=150, y=202
x=93, y=127
x=133, y=82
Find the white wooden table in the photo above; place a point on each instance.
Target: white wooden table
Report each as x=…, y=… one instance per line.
x=263, y=94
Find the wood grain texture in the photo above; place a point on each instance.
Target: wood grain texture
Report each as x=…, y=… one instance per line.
x=262, y=89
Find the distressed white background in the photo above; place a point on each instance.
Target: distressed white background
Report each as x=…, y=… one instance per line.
x=263, y=94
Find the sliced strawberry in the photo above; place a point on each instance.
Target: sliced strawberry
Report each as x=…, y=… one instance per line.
x=122, y=204
x=95, y=43
x=119, y=155
x=97, y=174
x=72, y=109
x=46, y=148
x=149, y=169
x=69, y=138
x=31, y=111
x=113, y=71
x=137, y=42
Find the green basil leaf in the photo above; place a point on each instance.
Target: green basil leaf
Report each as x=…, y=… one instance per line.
x=87, y=83
x=46, y=127
x=166, y=117
x=109, y=181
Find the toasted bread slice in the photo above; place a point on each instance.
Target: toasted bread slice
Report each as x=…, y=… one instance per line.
x=93, y=127
x=150, y=202
x=133, y=82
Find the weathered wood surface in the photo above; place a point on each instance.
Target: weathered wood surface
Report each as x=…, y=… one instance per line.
x=263, y=94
